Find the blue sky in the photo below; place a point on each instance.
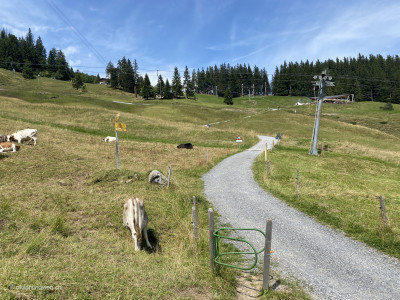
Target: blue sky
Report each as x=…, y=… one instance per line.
x=200, y=33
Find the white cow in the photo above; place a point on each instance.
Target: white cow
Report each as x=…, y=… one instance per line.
x=23, y=135
x=110, y=139
x=135, y=217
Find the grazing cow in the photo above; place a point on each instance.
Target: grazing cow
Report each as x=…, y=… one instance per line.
x=185, y=146
x=110, y=139
x=8, y=147
x=23, y=135
x=135, y=217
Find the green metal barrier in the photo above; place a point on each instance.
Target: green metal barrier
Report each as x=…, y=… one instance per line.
x=218, y=255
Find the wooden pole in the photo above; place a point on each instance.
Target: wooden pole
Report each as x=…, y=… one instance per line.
x=267, y=255
x=169, y=175
x=211, y=237
x=116, y=145
x=383, y=209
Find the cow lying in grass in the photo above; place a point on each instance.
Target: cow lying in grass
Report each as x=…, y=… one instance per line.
x=185, y=146
x=23, y=136
x=135, y=217
x=8, y=147
x=110, y=139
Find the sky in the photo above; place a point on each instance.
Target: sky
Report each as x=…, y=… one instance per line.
x=164, y=34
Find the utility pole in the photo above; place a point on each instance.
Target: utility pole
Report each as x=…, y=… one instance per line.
x=322, y=82
x=159, y=83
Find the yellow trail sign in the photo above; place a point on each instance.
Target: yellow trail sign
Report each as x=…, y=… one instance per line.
x=120, y=126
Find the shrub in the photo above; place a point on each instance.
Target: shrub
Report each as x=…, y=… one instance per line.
x=387, y=106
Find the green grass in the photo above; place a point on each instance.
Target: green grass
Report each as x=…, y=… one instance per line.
x=341, y=187
x=53, y=234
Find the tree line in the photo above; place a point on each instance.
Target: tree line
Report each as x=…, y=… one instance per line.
x=29, y=56
x=369, y=78
x=239, y=80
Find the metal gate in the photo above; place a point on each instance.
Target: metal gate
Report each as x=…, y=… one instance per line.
x=219, y=255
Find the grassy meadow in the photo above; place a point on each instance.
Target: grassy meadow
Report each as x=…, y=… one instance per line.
x=61, y=201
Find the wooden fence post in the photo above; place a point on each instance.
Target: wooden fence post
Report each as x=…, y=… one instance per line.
x=267, y=255
x=211, y=237
x=169, y=175
x=383, y=209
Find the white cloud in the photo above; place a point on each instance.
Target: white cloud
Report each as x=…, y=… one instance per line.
x=70, y=50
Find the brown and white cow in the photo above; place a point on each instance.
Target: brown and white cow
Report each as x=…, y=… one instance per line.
x=135, y=218
x=8, y=147
x=23, y=136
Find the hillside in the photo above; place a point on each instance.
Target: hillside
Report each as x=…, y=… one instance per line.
x=61, y=201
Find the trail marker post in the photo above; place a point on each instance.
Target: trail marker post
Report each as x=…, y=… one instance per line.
x=118, y=127
x=239, y=140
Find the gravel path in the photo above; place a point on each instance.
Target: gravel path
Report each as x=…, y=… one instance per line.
x=334, y=266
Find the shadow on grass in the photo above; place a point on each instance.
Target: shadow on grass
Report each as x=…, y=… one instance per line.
x=153, y=239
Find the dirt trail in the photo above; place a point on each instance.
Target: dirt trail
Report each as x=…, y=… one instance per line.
x=333, y=265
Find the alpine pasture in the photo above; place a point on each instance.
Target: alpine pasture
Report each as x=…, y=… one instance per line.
x=61, y=201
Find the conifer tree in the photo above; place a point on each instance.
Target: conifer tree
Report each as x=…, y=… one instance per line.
x=77, y=81
x=176, y=84
x=228, y=97
x=160, y=86
x=40, y=55
x=167, y=90
x=147, y=90
x=27, y=71
x=112, y=75
x=186, y=82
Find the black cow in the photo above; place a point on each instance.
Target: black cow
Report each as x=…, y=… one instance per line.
x=185, y=146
